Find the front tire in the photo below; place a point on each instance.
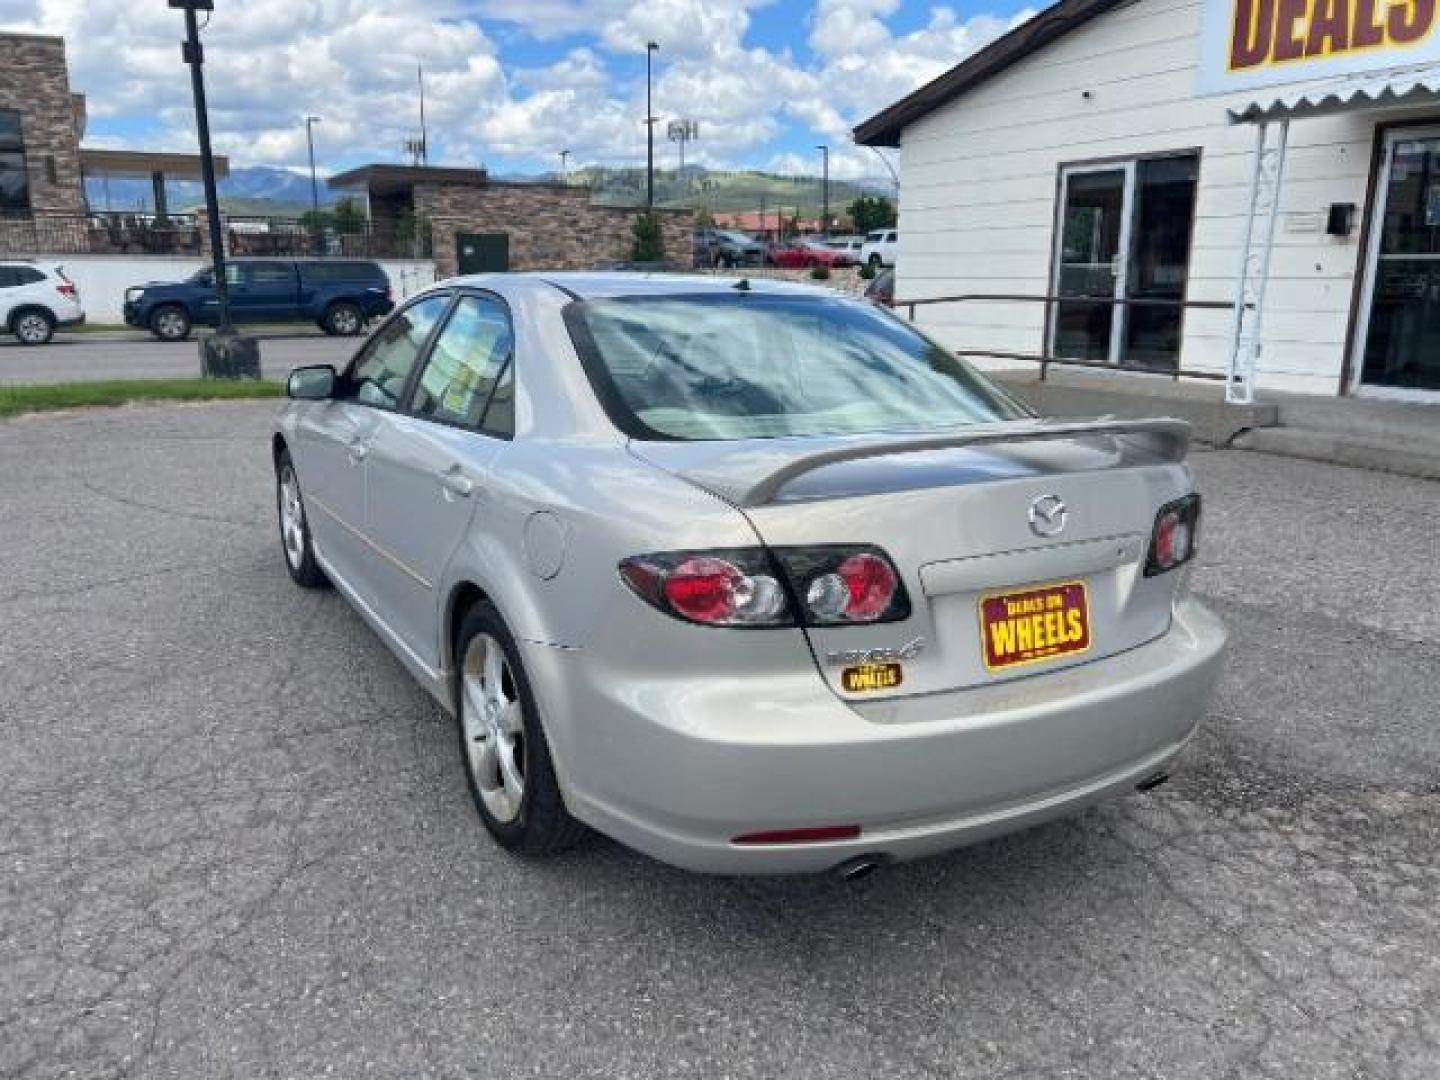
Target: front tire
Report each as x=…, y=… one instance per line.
x=170, y=323
x=343, y=320
x=295, y=537
x=502, y=742
x=33, y=327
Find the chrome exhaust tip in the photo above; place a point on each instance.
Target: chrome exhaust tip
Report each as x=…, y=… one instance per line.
x=861, y=866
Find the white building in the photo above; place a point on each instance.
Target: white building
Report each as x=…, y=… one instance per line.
x=1095, y=151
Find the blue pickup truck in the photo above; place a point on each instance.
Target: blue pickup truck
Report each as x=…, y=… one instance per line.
x=341, y=295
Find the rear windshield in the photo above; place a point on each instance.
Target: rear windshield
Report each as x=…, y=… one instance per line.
x=748, y=365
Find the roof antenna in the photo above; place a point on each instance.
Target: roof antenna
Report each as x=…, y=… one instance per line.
x=743, y=285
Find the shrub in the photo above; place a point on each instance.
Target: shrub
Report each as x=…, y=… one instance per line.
x=649, y=245
x=820, y=273
x=867, y=272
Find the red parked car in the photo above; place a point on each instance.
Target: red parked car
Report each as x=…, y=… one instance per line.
x=806, y=253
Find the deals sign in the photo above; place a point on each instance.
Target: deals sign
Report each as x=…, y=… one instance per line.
x=1247, y=44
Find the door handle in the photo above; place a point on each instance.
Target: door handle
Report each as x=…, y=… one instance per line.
x=456, y=484
x=359, y=450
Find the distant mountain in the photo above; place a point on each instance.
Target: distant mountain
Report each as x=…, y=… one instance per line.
x=252, y=190
x=263, y=190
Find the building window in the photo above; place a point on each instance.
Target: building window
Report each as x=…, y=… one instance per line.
x=14, y=180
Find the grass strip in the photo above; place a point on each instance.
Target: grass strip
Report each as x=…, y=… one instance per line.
x=15, y=400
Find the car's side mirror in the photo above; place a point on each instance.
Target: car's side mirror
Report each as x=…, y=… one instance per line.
x=315, y=383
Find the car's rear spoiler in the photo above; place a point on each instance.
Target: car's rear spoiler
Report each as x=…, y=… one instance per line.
x=1167, y=437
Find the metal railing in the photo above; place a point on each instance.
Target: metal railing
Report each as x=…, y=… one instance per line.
x=401, y=238
x=181, y=235
x=1046, y=358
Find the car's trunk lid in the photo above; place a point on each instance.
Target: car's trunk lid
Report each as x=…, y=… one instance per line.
x=954, y=514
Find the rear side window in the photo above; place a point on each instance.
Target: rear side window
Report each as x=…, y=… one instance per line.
x=465, y=367
x=379, y=374
x=746, y=366
x=14, y=276
x=874, y=237
x=324, y=273
x=268, y=273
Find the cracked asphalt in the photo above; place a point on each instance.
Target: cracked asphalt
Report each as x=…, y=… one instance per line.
x=235, y=840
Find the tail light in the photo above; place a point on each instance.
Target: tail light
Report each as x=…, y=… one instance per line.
x=1173, y=542
x=813, y=586
x=66, y=290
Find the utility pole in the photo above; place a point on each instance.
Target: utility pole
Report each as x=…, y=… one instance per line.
x=424, y=131
x=565, y=166
x=194, y=54
x=825, y=189
x=682, y=132
x=224, y=353
x=310, y=122
x=650, y=49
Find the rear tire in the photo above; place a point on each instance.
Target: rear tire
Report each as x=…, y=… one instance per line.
x=33, y=326
x=343, y=319
x=502, y=742
x=295, y=538
x=170, y=322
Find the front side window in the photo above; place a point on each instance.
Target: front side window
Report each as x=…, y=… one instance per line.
x=14, y=177
x=740, y=366
x=465, y=365
x=379, y=374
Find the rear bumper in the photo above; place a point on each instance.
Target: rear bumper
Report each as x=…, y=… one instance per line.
x=131, y=313
x=72, y=319
x=677, y=768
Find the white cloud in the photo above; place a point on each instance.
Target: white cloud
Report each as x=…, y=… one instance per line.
x=353, y=62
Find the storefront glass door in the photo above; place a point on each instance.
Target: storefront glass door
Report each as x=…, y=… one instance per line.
x=1123, y=232
x=1400, y=339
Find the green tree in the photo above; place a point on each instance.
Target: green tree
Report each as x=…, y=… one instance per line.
x=349, y=218
x=870, y=212
x=649, y=239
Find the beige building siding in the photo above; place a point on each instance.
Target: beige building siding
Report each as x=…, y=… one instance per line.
x=35, y=82
x=979, y=186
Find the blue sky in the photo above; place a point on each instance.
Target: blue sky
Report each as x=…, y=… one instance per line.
x=513, y=82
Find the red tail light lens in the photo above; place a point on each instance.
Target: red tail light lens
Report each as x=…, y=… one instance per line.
x=831, y=586
x=729, y=588
x=66, y=290
x=1173, y=542
x=845, y=584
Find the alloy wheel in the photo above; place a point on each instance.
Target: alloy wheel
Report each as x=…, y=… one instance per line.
x=292, y=517
x=345, y=322
x=493, y=722
x=32, y=329
x=170, y=325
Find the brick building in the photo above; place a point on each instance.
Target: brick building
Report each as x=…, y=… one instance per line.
x=477, y=223
x=41, y=123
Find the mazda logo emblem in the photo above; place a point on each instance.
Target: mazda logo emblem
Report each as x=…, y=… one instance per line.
x=1048, y=515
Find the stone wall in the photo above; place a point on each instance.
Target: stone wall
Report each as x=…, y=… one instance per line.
x=35, y=82
x=551, y=226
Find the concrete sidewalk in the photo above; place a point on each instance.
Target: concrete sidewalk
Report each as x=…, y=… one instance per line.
x=1387, y=436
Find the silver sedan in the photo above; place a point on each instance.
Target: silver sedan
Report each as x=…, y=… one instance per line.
x=751, y=577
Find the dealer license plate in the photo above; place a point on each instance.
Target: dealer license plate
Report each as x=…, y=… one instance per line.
x=1033, y=625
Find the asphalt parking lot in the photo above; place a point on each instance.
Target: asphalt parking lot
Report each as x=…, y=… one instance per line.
x=235, y=840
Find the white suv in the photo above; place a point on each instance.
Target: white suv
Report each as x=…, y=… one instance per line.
x=879, y=248
x=34, y=300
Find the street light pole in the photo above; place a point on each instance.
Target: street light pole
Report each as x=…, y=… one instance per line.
x=310, y=122
x=650, y=49
x=195, y=56
x=565, y=166
x=825, y=189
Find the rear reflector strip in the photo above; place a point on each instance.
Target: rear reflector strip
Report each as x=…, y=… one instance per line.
x=818, y=835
